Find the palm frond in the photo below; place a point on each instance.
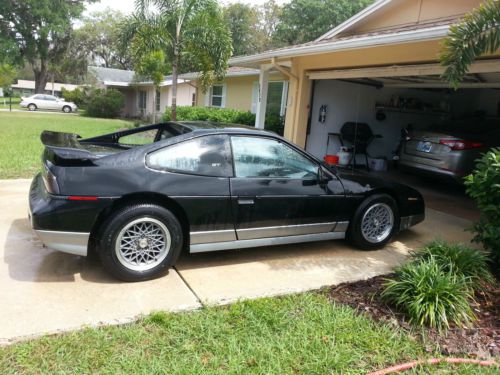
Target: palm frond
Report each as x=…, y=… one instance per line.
x=477, y=34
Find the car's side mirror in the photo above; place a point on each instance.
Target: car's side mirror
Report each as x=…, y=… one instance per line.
x=323, y=176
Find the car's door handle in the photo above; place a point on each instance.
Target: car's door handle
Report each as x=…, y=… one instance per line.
x=245, y=201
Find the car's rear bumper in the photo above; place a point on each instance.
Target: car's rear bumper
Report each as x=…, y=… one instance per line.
x=430, y=170
x=68, y=242
x=61, y=224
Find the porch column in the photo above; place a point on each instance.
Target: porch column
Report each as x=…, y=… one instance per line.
x=260, y=113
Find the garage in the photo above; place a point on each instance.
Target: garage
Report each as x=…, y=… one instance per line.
x=403, y=101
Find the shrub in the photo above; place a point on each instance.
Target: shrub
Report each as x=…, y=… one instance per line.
x=459, y=259
x=483, y=185
x=105, y=103
x=77, y=96
x=429, y=295
x=224, y=115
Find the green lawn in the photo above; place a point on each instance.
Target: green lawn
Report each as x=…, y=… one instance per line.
x=4, y=103
x=20, y=146
x=301, y=334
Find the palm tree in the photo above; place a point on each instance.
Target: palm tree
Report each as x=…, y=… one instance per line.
x=477, y=34
x=192, y=32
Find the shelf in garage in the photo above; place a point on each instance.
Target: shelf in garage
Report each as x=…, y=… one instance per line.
x=412, y=111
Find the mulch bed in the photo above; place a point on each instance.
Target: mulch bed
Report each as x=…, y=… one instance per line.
x=482, y=340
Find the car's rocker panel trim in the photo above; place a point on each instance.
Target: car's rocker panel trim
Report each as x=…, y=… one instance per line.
x=212, y=236
x=409, y=221
x=284, y=230
x=75, y=243
x=242, y=244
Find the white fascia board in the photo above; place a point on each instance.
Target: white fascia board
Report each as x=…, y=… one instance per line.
x=354, y=19
x=348, y=44
x=113, y=83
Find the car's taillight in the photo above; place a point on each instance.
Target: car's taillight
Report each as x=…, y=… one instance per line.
x=460, y=144
x=86, y=198
x=50, y=181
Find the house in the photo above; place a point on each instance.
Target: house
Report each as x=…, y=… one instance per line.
x=26, y=88
x=238, y=90
x=140, y=100
x=380, y=67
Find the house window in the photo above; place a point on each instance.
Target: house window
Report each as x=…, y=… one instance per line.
x=217, y=96
x=193, y=100
x=158, y=96
x=142, y=99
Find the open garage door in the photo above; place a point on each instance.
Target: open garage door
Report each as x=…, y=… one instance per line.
x=447, y=129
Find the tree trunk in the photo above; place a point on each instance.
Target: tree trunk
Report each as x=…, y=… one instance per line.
x=41, y=78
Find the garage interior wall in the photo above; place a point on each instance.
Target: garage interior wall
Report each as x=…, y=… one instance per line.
x=356, y=102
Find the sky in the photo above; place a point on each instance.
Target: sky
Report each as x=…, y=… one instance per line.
x=127, y=6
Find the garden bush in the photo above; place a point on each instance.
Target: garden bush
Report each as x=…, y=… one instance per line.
x=429, y=295
x=105, y=103
x=459, y=259
x=77, y=96
x=224, y=115
x=483, y=185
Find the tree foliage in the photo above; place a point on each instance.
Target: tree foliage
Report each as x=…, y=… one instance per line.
x=302, y=21
x=7, y=75
x=242, y=20
x=97, y=38
x=477, y=34
x=41, y=31
x=191, y=31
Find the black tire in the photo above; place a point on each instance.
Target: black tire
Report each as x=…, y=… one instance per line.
x=32, y=107
x=66, y=109
x=355, y=233
x=107, y=243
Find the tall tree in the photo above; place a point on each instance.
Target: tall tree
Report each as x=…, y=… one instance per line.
x=98, y=38
x=7, y=75
x=477, y=34
x=243, y=22
x=41, y=30
x=193, y=30
x=269, y=19
x=302, y=21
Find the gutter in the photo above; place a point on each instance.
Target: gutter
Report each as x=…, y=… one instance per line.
x=344, y=45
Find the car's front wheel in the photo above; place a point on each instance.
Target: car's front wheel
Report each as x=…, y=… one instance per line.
x=374, y=222
x=66, y=109
x=140, y=242
x=32, y=107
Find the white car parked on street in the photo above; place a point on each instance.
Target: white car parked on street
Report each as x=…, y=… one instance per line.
x=43, y=101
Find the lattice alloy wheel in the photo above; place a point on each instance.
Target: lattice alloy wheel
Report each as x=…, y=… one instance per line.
x=143, y=244
x=377, y=223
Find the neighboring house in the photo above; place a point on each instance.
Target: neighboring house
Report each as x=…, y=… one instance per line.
x=380, y=67
x=27, y=88
x=139, y=94
x=238, y=90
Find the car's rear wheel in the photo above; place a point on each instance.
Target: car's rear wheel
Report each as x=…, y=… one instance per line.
x=374, y=222
x=140, y=242
x=32, y=107
x=66, y=109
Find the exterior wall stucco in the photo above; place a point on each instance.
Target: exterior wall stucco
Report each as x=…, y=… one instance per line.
x=239, y=91
x=405, y=12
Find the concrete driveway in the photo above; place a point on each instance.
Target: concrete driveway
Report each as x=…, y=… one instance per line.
x=45, y=291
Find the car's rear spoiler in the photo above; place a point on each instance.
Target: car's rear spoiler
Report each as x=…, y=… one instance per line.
x=66, y=146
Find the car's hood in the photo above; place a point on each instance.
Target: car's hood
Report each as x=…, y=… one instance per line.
x=359, y=182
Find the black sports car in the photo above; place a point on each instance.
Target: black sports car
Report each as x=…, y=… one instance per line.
x=202, y=187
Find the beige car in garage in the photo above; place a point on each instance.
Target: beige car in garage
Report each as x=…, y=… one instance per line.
x=47, y=102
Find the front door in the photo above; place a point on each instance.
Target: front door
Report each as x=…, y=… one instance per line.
x=275, y=191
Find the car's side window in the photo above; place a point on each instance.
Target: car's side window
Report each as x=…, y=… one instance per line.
x=39, y=97
x=259, y=157
x=50, y=98
x=207, y=156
